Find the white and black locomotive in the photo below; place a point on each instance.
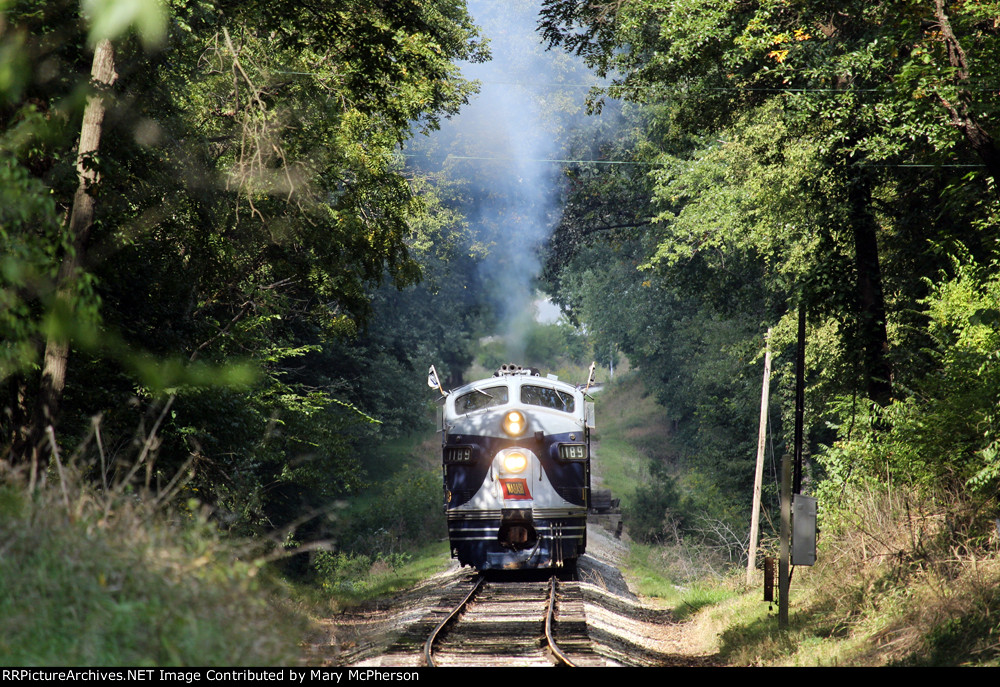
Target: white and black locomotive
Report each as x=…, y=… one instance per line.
x=516, y=464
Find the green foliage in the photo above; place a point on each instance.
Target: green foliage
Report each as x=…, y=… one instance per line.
x=713, y=60
x=356, y=575
x=656, y=513
x=547, y=347
x=350, y=579
x=392, y=532
x=111, y=18
x=30, y=234
x=553, y=342
x=98, y=580
x=399, y=514
x=943, y=435
x=696, y=361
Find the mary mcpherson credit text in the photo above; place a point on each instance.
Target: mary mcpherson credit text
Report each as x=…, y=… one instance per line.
x=294, y=675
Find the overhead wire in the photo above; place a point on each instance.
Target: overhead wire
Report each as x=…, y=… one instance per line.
x=635, y=162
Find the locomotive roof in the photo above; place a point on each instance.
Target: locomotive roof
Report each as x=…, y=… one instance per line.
x=517, y=380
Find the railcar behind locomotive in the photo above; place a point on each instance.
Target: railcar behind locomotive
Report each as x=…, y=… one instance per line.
x=516, y=466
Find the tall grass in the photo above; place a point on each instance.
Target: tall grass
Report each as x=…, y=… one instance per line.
x=102, y=578
x=917, y=574
x=902, y=578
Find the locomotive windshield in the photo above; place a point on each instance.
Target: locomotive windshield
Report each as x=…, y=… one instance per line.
x=547, y=398
x=481, y=398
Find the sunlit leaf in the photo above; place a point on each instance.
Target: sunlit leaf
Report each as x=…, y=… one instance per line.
x=112, y=18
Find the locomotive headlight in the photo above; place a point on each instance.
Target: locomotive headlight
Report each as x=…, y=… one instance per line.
x=514, y=423
x=515, y=462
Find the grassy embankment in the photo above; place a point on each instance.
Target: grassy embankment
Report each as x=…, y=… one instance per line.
x=100, y=578
x=94, y=578
x=901, y=579
x=632, y=432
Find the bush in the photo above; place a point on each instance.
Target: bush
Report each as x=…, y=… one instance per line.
x=405, y=513
x=356, y=574
x=945, y=434
x=656, y=512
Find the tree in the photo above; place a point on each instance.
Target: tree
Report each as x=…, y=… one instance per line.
x=839, y=157
x=81, y=218
x=872, y=86
x=252, y=200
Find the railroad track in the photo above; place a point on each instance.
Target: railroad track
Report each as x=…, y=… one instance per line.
x=514, y=623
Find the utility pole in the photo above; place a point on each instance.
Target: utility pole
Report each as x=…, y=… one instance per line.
x=800, y=398
x=787, y=487
x=759, y=472
x=786, y=536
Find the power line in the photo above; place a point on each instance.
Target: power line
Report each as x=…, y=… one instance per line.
x=634, y=162
x=536, y=84
x=543, y=159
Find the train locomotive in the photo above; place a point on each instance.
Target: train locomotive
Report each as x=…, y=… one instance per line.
x=516, y=466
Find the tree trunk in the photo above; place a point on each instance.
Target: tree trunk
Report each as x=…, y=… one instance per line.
x=81, y=218
x=873, y=335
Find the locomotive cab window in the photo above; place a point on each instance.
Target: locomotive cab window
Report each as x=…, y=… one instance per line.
x=481, y=398
x=547, y=398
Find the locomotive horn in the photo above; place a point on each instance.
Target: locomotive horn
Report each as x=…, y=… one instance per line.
x=592, y=376
x=433, y=381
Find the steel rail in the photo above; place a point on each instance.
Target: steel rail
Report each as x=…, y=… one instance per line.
x=549, y=621
x=429, y=644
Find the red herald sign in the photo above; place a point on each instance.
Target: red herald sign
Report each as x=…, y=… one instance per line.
x=515, y=489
